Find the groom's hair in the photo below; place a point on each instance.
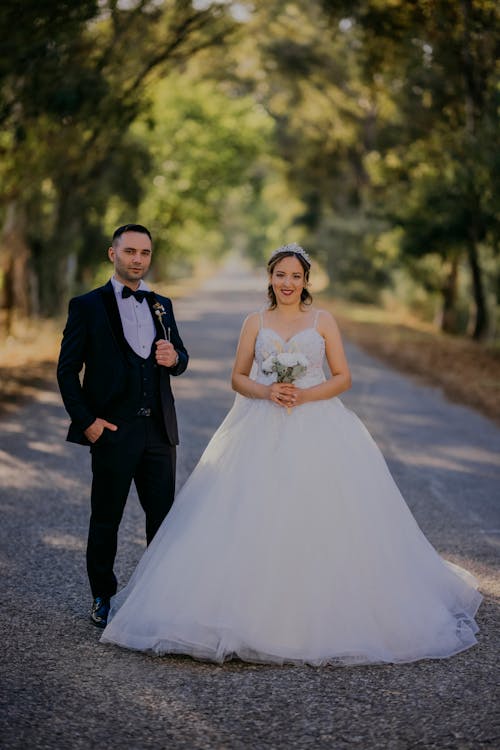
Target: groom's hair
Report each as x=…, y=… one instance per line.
x=130, y=228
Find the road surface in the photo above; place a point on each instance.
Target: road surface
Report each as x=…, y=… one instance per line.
x=60, y=688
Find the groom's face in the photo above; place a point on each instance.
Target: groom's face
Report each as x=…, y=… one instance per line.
x=131, y=257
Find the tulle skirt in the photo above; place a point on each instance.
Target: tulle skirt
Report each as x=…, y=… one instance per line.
x=291, y=543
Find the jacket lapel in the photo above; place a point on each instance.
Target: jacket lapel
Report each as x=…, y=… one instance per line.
x=108, y=296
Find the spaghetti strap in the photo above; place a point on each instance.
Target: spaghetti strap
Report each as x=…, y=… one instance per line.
x=316, y=318
x=261, y=318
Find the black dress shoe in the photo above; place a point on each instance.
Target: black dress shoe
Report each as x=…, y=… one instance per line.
x=100, y=611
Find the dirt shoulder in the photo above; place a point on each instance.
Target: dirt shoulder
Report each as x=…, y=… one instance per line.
x=467, y=372
x=28, y=361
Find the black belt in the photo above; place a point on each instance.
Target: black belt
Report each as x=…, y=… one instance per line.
x=144, y=412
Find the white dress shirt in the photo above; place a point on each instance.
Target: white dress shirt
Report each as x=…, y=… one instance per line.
x=137, y=321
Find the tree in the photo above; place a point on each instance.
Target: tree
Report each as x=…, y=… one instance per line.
x=368, y=97
x=308, y=79
x=203, y=145
x=439, y=60
x=72, y=83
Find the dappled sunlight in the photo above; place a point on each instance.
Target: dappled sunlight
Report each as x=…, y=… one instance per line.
x=414, y=419
x=138, y=539
x=389, y=400
x=53, y=448
x=70, y=485
x=46, y=485
x=409, y=419
x=64, y=541
x=486, y=573
x=24, y=479
x=435, y=460
x=20, y=474
x=12, y=427
x=362, y=374
x=189, y=313
x=472, y=453
x=48, y=397
x=200, y=366
x=481, y=569
x=418, y=428
x=489, y=585
x=16, y=473
x=201, y=388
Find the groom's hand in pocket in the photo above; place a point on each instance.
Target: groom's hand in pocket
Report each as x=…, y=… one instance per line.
x=95, y=430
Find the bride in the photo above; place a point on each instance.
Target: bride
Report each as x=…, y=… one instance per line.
x=290, y=542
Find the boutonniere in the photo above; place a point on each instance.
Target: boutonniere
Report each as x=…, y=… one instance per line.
x=160, y=312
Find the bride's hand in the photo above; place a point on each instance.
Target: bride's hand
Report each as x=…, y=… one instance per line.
x=283, y=394
x=300, y=395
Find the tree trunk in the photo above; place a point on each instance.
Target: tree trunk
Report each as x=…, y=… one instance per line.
x=474, y=105
x=17, y=277
x=57, y=267
x=449, y=322
x=481, y=323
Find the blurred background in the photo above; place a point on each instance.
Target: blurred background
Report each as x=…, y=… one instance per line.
x=367, y=130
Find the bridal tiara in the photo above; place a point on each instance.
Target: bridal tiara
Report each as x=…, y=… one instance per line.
x=291, y=248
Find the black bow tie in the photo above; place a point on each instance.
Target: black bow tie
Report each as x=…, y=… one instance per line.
x=140, y=294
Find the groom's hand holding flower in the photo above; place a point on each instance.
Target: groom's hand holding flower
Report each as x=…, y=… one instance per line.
x=166, y=355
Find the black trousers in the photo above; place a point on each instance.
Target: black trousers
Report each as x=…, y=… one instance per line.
x=138, y=451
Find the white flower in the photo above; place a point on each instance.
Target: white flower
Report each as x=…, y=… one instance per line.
x=287, y=359
x=268, y=364
x=288, y=366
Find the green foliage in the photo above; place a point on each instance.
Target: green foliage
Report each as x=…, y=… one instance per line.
x=72, y=83
x=387, y=116
x=368, y=130
x=202, y=145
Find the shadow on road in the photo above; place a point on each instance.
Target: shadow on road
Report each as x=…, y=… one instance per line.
x=62, y=688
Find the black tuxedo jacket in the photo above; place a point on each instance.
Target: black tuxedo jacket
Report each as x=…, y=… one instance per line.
x=93, y=339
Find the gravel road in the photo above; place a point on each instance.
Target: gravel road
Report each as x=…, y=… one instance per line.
x=60, y=688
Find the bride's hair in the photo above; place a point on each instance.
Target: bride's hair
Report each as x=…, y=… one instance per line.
x=286, y=252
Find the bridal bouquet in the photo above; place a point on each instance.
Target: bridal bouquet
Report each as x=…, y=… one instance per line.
x=288, y=366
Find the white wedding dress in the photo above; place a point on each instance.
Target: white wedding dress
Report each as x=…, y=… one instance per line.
x=291, y=543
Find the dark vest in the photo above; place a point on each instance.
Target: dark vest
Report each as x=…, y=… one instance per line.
x=143, y=385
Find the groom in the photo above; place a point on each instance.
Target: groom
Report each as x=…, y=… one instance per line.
x=126, y=339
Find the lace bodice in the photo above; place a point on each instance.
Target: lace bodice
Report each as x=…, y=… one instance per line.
x=308, y=342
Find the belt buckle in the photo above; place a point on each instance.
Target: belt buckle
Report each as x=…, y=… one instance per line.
x=144, y=412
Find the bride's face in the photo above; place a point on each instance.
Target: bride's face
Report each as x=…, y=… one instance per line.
x=287, y=280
